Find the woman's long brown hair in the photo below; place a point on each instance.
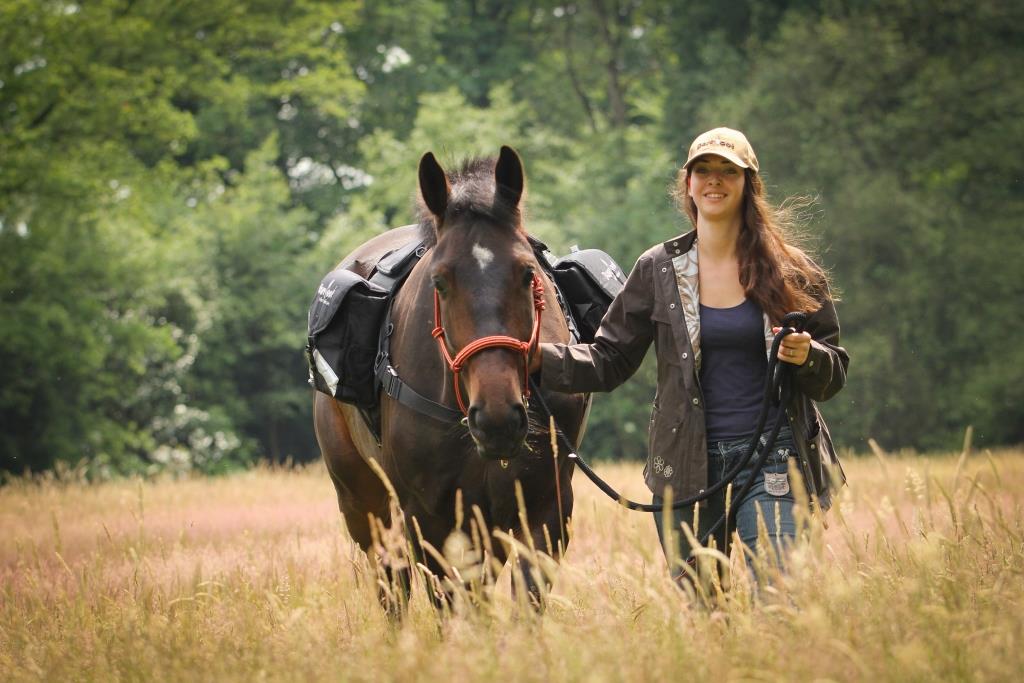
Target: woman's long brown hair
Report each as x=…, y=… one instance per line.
x=778, y=275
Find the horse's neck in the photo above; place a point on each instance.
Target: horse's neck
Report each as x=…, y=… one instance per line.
x=553, y=325
x=413, y=318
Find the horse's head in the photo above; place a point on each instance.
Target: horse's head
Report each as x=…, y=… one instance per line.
x=483, y=271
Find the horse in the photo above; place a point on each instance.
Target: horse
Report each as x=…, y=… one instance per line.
x=478, y=280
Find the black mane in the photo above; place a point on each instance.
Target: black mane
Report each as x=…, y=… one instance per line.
x=471, y=195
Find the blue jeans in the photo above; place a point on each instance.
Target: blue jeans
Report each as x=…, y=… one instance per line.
x=771, y=494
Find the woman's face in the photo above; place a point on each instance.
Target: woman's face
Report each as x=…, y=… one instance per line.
x=716, y=186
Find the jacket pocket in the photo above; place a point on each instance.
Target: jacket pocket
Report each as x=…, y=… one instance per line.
x=660, y=312
x=665, y=341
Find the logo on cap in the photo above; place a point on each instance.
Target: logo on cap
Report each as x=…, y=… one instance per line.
x=717, y=142
x=730, y=143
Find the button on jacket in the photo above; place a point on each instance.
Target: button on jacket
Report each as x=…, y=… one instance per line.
x=656, y=306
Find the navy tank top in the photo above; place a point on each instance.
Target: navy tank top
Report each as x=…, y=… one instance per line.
x=733, y=367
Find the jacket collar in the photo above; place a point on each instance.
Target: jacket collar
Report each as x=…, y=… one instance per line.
x=680, y=244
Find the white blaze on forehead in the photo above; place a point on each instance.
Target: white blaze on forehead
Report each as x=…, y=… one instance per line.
x=483, y=255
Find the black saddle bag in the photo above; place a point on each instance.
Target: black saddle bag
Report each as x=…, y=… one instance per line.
x=589, y=280
x=344, y=323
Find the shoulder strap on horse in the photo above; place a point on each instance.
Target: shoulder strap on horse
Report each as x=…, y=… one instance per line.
x=544, y=255
x=547, y=262
x=398, y=390
x=389, y=273
x=392, y=270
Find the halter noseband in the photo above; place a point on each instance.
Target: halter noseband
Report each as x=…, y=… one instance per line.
x=494, y=341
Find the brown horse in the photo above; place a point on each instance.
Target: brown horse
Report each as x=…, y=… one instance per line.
x=479, y=279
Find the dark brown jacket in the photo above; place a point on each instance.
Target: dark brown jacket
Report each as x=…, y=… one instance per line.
x=650, y=308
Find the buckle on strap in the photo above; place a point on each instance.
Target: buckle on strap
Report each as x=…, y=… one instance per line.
x=390, y=382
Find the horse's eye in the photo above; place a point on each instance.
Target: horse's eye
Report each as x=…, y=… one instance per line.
x=528, y=277
x=440, y=285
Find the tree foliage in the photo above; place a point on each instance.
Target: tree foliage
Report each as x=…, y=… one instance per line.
x=176, y=176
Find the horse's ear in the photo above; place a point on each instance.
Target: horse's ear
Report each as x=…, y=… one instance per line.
x=433, y=185
x=508, y=176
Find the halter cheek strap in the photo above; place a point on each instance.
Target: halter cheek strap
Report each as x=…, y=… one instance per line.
x=495, y=341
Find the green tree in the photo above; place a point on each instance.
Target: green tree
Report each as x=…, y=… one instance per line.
x=902, y=116
x=120, y=121
x=176, y=176
x=249, y=365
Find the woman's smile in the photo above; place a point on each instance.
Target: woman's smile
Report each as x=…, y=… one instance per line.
x=716, y=185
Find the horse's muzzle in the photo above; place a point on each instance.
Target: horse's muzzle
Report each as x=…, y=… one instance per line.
x=499, y=434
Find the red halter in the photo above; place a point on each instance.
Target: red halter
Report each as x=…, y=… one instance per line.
x=495, y=341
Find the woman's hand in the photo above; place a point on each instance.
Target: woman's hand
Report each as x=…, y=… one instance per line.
x=795, y=348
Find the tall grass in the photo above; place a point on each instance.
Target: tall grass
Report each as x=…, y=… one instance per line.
x=918, y=577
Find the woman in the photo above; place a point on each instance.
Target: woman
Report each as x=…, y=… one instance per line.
x=711, y=300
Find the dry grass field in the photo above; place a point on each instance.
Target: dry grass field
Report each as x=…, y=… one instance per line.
x=252, y=577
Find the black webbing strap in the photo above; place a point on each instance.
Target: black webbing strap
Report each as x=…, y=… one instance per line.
x=398, y=390
x=547, y=260
x=390, y=273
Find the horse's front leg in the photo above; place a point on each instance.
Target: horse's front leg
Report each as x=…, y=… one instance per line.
x=428, y=534
x=457, y=564
x=390, y=558
x=393, y=585
x=548, y=539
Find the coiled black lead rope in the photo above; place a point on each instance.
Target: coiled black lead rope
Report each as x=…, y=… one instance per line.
x=777, y=391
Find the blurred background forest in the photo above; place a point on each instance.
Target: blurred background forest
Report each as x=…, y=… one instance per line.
x=176, y=176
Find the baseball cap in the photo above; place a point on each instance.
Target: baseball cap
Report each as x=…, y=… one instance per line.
x=724, y=142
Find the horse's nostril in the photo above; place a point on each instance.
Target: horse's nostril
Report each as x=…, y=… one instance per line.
x=472, y=415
